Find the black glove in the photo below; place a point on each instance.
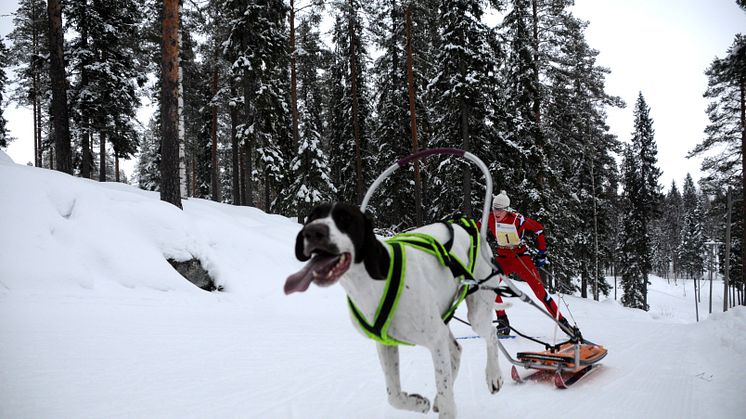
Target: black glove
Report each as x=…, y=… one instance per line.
x=540, y=259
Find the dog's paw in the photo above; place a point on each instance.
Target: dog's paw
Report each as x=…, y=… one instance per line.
x=444, y=413
x=494, y=384
x=412, y=402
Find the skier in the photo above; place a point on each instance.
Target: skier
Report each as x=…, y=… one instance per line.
x=512, y=256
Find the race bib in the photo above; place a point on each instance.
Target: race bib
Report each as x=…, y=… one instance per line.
x=507, y=235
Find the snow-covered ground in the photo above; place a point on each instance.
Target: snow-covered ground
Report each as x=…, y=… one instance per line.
x=94, y=323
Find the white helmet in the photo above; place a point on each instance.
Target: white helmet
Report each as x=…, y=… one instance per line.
x=500, y=201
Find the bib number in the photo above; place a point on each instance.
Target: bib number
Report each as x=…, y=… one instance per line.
x=507, y=235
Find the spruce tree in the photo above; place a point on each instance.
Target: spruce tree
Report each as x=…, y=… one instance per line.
x=646, y=206
x=310, y=166
x=462, y=105
x=394, y=204
x=349, y=117
x=633, y=239
x=691, y=248
x=29, y=52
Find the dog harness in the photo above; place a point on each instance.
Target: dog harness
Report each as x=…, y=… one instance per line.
x=378, y=329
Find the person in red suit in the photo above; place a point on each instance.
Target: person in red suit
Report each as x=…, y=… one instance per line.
x=509, y=228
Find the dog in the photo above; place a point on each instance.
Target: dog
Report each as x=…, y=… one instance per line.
x=339, y=245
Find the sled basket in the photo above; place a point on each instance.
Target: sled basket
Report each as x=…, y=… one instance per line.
x=570, y=357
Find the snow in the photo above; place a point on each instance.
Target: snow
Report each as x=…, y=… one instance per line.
x=96, y=324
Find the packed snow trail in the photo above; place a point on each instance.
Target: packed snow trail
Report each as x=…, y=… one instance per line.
x=95, y=324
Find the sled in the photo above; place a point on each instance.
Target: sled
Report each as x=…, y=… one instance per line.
x=565, y=365
x=569, y=357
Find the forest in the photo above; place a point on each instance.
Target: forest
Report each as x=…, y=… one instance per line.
x=284, y=104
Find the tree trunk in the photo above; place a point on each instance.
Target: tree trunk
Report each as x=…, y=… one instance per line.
x=214, y=169
x=102, y=157
x=293, y=79
x=413, y=115
x=85, y=164
x=183, y=182
x=37, y=140
x=170, y=187
x=743, y=173
x=726, y=279
x=37, y=124
x=536, y=107
x=235, y=152
x=466, y=146
x=359, y=186
x=116, y=167
x=60, y=122
x=35, y=87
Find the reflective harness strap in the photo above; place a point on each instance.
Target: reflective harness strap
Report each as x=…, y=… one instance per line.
x=378, y=330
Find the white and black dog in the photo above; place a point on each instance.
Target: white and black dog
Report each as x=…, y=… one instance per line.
x=338, y=242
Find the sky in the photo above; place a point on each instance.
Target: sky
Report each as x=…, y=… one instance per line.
x=658, y=47
x=96, y=324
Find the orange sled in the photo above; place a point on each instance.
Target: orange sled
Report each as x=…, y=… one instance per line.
x=566, y=364
x=569, y=357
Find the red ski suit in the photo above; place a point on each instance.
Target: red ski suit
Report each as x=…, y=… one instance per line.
x=515, y=259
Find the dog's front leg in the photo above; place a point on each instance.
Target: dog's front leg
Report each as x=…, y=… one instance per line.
x=441, y=353
x=389, y=357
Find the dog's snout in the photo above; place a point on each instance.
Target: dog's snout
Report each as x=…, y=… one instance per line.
x=315, y=233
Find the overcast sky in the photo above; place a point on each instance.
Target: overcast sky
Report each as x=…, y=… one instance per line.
x=658, y=47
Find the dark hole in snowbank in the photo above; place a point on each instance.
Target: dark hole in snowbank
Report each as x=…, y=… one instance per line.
x=196, y=274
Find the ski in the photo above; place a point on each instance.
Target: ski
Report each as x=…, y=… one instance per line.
x=479, y=337
x=563, y=381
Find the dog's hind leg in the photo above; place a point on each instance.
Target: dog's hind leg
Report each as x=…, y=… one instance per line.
x=480, y=311
x=441, y=351
x=455, y=350
x=389, y=357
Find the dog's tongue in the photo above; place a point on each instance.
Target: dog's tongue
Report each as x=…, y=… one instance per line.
x=299, y=281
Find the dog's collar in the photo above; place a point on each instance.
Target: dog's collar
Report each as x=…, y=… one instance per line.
x=378, y=329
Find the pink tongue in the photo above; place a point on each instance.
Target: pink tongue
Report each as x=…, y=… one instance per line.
x=300, y=280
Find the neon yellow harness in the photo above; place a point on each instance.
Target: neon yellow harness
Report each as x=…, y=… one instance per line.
x=378, y=329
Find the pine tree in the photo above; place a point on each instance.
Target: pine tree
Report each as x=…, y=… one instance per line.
x=691, y=248
x=147, y=170
x=671, y=226
x=632, y=241
x=646, y=205
x=462, y=92
x=30, y=52
x=395, y=204
x=349, y=117
x=579, y=151
x=725, y=139
x=257, y=45
x=312, y=183
x=107, y=62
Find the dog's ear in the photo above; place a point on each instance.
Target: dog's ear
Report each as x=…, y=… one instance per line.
x=299, y=248
x=375, y=256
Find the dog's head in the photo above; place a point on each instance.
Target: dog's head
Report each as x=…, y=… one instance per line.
x=333, y=237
